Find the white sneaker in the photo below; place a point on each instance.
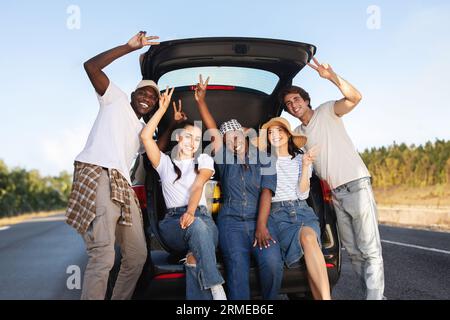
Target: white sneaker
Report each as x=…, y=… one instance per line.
x=218, y=293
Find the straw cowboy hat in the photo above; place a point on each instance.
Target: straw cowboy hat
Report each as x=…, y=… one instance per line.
x=298, y=139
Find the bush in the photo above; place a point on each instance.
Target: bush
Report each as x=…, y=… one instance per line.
x=24, y=191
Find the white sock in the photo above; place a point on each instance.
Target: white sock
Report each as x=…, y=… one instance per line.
x=218, y=293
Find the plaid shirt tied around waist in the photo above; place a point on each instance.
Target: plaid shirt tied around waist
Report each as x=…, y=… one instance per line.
x=81, y=208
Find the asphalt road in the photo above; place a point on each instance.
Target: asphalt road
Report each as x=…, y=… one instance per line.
x=36, y=259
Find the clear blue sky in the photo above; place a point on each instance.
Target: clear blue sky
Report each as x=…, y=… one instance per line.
x=48, y=105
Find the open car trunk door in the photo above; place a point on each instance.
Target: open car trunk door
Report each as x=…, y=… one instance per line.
x=283, y=59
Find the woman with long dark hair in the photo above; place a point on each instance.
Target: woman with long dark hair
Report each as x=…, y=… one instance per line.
x=187, y=225
x=292, y=221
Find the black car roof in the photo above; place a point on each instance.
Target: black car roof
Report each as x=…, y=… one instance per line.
x=282, y=57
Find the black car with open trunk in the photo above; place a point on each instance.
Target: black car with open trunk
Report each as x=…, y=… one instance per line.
x=247, y=75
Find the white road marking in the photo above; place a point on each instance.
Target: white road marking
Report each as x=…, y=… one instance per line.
x=416, y=247
x=4, y=228
x=45, y=219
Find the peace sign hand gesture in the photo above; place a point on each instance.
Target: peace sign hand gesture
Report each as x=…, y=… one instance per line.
x=165, y=98
x=200, y=89
x=310, y=156
x=324, y=70
x=178, y=114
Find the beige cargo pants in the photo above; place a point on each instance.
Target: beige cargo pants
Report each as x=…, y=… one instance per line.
x=100, y=239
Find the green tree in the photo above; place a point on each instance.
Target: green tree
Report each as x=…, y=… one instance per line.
x=27, y=191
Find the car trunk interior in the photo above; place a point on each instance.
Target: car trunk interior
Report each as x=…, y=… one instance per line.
x=250, y=107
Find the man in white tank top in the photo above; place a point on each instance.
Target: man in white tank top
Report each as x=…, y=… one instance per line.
x=340, y=165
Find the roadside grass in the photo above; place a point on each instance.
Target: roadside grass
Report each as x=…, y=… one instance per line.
x=431, y=196
x=7, y=221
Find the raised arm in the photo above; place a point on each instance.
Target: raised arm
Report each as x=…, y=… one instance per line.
x=151, y=148
x=94, y=66
x=178, y=117
x=196, y=193
x=351, y=95
x=207, y=118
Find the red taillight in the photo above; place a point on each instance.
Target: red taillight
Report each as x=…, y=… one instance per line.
x=166, y=276
x=330, y=265
x=227, y=88
x=326, y=191
x=142, y=197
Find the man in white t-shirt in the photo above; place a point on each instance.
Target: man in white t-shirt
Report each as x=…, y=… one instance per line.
x=340, y=165
x=102, y=204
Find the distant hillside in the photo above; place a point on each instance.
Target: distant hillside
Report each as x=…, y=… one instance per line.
x=411, y=175
x=412, y=166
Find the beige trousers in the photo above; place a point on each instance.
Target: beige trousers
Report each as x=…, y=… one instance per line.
x=100, y=239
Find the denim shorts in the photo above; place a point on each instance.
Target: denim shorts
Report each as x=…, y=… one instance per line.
x=286, y=220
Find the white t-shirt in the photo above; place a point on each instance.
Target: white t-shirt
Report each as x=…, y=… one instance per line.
x=177, y=194
x=337, y=162
x=289, y=172
x=114, y=138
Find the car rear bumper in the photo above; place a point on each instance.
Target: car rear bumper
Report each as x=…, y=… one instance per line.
x=166, y=281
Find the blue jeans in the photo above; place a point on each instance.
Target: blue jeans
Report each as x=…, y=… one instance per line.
x=236, y=238
x=200, y=238
x=356, y=213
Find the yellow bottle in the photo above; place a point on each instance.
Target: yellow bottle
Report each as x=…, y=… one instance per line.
x=216, y=199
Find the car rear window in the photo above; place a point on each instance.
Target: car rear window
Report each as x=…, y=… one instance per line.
x=256, y=79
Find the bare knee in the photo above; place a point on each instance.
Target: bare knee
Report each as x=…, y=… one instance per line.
x=308, y=237
x=190, y=260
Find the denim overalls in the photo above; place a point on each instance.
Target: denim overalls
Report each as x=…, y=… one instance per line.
x=241, y=186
